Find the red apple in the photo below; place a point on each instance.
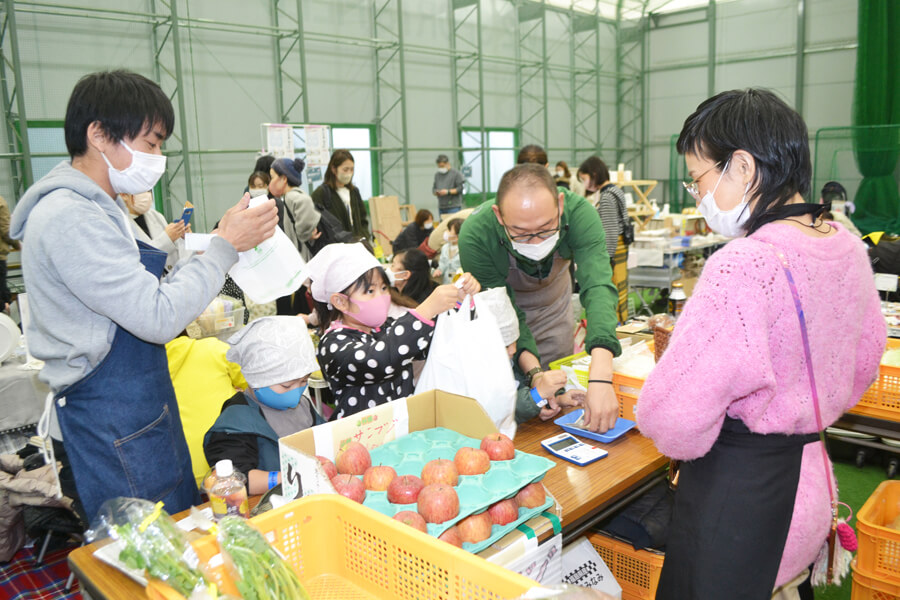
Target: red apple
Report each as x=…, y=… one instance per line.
x=379, y=478
x=472, y=461
x=532, y=495
x=498, y=447
x=330, y=469
x=438, y=503
x=354, y=459
x=404, y=490
x=475, y=528
x=504, y=512
x=350, y=487
x=451, y=536
x=413, y=519
x=440, y=470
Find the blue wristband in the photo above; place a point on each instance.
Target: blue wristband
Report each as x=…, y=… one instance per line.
x=541, y=402
x=273, y=479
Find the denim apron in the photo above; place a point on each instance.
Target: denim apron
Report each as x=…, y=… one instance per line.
x=120, y=424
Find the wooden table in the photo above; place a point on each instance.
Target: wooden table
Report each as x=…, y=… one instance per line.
x=587, y=495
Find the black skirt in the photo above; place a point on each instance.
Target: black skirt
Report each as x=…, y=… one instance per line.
x=732, y=514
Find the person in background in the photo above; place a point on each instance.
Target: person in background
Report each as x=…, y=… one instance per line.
x=448, y=265
x=7, y=245
x=203, y=380
x=449, y=186
x=276, y=356
x=526, y=240
x=534, y=154
x=365, y=355
x=562, y=175
x=833, y=193
x=285, y=179
x=731, y=396
x=530, y=401
x=151, y=227
x=609, y=200
x=258, y=184
x=415, y=233
x=100, y=306
x=436, y=240
x=340, y=197
x=411, y=274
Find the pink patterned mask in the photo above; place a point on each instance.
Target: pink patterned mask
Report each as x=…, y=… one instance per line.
x=372, y=313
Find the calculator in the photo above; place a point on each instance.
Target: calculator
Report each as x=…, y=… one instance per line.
x=568, y=447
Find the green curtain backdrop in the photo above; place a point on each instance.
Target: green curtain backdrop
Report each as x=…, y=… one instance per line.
x=876, y=107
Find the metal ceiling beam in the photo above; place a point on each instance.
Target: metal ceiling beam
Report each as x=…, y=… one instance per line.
x=467, y=77
x=800, y=68
x=711, y=50
x=16, y=119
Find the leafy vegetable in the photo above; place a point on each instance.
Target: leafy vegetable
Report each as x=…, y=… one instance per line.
x=262, y=573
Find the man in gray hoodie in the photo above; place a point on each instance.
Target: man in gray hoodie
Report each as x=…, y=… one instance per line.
x=101, y=311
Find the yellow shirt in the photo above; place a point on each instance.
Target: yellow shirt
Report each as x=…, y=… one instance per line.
x=203, y=380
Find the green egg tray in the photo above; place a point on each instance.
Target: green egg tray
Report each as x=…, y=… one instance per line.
x=409, y=454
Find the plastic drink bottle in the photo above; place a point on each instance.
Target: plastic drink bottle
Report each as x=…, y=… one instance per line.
x=228, y=492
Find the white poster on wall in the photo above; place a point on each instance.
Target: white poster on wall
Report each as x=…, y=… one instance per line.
x=279, y=140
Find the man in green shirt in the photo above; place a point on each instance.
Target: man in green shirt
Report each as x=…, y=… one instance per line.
x=525, y=241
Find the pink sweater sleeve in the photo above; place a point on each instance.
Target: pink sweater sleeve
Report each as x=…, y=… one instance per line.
x=718, y=353
x=870, y=349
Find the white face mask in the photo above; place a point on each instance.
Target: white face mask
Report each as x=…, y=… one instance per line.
x=729, y=223
x=344, y=178
x=537, y=251
x=443, y=170
x=141, y=203
x=255, y=193
x=560, y=173
x=143, y=173
x=429, y=226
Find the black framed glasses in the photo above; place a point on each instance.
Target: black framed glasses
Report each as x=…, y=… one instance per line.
x=525, y=238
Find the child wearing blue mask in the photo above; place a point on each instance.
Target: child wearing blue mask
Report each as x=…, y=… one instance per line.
x=276, y=357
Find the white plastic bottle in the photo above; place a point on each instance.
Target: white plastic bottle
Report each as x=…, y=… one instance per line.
x=228, y=492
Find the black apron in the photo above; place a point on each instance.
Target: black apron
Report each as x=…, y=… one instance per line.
x=732, y=514
x=120, y=424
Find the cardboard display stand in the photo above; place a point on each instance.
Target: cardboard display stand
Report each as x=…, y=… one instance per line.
x=386, y=220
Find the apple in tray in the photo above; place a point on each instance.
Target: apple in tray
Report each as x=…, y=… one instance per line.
x=440, y=470
x=328, y=466
x=413, y=519
x=377, y=479
x=472, y=461
x=451, y=536
x=532, y=495
x=504, y=512
x=475, y=528
x=354, y=459
x=438, y=503
x=498, y=446
x=404, y=489
x=350, y=486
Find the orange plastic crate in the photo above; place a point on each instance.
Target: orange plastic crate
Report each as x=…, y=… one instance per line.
x=869, y=588
x=879, y=545
x=627, y=388
x=882, y=399
x=636, y=571
x=343, y=550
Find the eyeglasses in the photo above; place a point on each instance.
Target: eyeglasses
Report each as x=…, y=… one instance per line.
x=541, y=235
x=693, y=186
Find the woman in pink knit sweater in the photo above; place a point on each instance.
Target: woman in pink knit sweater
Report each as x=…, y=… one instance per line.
x=731, y=396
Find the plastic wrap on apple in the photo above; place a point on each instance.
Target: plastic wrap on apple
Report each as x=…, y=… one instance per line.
x=301, y=475
x=270, y=270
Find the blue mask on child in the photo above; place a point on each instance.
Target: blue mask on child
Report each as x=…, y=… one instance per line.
x=282, y=401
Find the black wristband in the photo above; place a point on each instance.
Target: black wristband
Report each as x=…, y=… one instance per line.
x=600, y=381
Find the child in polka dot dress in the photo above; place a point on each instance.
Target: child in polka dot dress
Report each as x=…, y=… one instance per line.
x=365, y=356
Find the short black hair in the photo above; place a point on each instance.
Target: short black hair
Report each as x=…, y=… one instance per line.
x=126, y=104
x=532, y=153
x=833, y=191
x=526, y=174
x=596, y=169
x=264, y=163
x=264, y=175
x=419, y=284
x=759, y=122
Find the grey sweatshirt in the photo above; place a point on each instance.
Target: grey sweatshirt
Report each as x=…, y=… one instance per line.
x=448, y=181
x=84, y=277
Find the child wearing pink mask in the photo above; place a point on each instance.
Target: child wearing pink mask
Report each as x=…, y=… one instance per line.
x=366, y=356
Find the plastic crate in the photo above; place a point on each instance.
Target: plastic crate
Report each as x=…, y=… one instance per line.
x=882, y=399
x=627, y=388
x=636, y=571
x=879, y=545
x=869, y=588
x=343, y=550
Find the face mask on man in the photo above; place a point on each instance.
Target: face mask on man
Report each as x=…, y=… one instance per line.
x=279, y=400
x=729, y=223
x=537, y=251
x=141, y=203
x=443, y=170
x=143, y=173
x=344, y=178
x=256, y=192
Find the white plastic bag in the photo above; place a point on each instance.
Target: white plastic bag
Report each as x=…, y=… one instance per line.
x=467, y=357
x=271, y=270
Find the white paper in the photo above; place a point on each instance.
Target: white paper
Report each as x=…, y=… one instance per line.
x=582, y=566
x=318, y=151
x=886, y=282
x=280, y=140
x=197, y=242
x=301, y=475
x=542, y=563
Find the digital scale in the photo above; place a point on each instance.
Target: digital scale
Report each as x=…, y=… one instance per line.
x=567, y=447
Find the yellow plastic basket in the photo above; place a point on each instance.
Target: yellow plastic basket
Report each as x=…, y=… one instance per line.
x=636, y=571
x=871, y=588
x=343, y=550
x=882, y=399
x=627, y=388
x=878, y=555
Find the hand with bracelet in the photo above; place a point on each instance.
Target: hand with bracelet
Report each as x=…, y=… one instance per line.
x=601, y=407
x=546, y=384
